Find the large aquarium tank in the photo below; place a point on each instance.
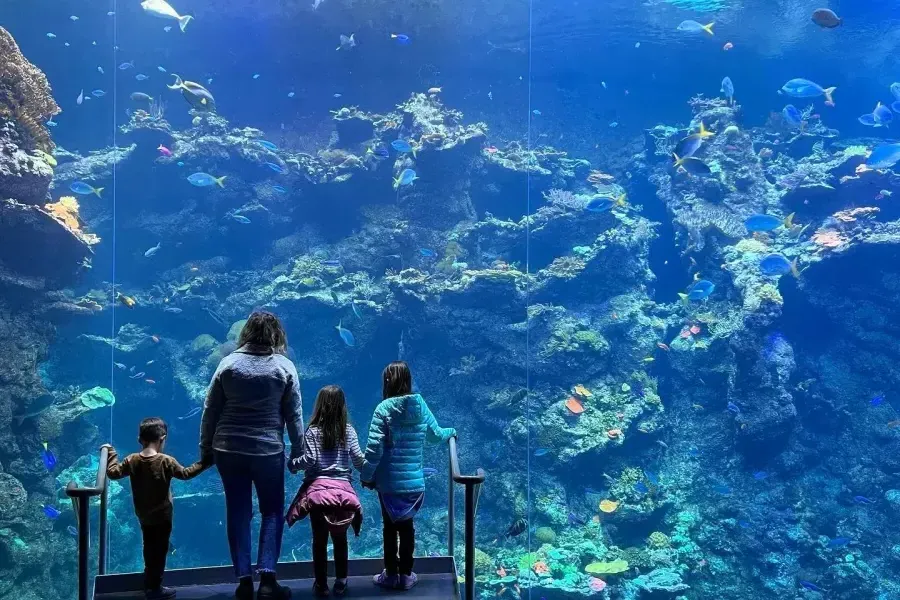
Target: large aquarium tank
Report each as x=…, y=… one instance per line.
x=642, y=255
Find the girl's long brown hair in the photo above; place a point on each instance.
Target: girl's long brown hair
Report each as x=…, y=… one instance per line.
x=396, y=380
x=263, y=329
x=330, y=416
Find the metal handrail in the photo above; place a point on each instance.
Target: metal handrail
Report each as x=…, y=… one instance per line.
x=81, y=502
x=472, y=484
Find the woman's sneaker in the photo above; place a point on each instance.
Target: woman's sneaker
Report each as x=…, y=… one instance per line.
x=320, y=590
x=340, y=587
x=270, y=589
x=407, y=581
x=388, y=582
x=244, y=589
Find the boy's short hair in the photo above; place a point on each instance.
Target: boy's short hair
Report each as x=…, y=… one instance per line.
x=153, y=429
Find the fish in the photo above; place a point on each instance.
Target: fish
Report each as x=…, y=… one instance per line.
x=151, y=251
x=692, y=165
x=760, y=222
x=574, y=519
x=291, y=94
x=877, y=400
x=279, y=189
x=604, y=203
x=379, y=151
x=728, y=46
x=173, y=309
x=275, y=167
x=51, y=512
x=541, y=452
x=868, y=120
x=429, y=472
x=317, y=3
x=895, y=90
x=101, y=71
x=51, y=35
x=862, y=500
x=804, y=88
x=206, y=180
x=426, y=252
x=695, y=329
x=825, y=17
x=47, y=456
x=776, y=264
x=240, y=219
x=839, y=542
x=268, y=145
x=71, y=529
x=688, y=145
x=83, y=189
x=346, y=335
x=256, y=76
x=191, y=413
x=406, y=177
x=404, y=146
x=882, y=115
x=137, y=375
x=155, y=339
x=883, y=156
x=46, y=157
x=536, y=112
x=163, y=10
x=141, y=77
x=792, y=115
x=401, y=38
x=641, y=488
x=150, y=362
x=80, y=98
x=195, y=94
x=760, y=475
x=662, y=346
x=517, y=528
x=355, y=310
x=126, y=301
x=331, y=263
x=73, y=18
x=700, y=290
x=347, y=42
x=434, y=90
x=167, y=28
x=728, y=89
x=51, y=123
x=810, y=586
x=150, y=381
x=161, y=70
x=126, y=65
x=690, y=26
x=120, y=366
x=733, y=408
x=141, y=97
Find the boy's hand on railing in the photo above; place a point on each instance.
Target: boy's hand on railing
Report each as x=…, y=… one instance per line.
x=106, y=446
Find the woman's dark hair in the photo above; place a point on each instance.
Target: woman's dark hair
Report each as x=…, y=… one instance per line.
x=152, y=430
x=396, y=380
x=263, y=329
x=330, y=416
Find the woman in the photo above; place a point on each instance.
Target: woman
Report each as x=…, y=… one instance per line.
x=253, y=395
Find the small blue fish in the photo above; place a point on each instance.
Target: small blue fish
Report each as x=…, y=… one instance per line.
x=761, y=222
x=877, y=400
x=379, y=151
x=180, y=163
x=652, y=478
x=401, y=38
x=83, y=189
x=403, y=146
x=72, y=531
x=760, y=475
x=48, y=457
x=810, y=586
x=839, y=542
x=191, y=413
x=161, y=70
x=291, y=94
x=126, y=65
x=426, y=252
x=256, y=76
x=744, y=524
x=728, y=89
x=101, y=71
x=691, y=26
x=407, y=176
x=240, y=219
x=206, y=180
x=792, y=116
x=51, y=35
x=862, y=500
x=536, y=112
x=355, y=310
x=734, y=408
x=804, y=88
x=330, y=263
x=141, y=77
x=268, y=145
x=98, y=93
x=279, y=189
x=776, y=264
x=883, y=156
x=641, y=488
x=51, y=512
x=701, y=290
x=277, y=168
x=541, y=452
x=346, y=335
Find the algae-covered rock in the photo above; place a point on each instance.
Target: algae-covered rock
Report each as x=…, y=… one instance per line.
x=607, y=568
x=235, y=330
x=545, y=535
x=12, y=496
x=203, y=343
x=97, y=397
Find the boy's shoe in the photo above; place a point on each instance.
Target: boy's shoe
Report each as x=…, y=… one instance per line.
x=270, y=589
x=407, y=581
x=320, y=590
x=244, y=589
x=160, y=593
x=340, y=587
x=388, y=582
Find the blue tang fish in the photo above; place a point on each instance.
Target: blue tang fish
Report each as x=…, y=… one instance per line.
x=776, y=264
x=51, y=512
x=401, y=38
x=691, y=26
x=48, y=457
x=792, y=116
x=768, y=222
x=804, y=88
x=701, y=290
x=883, y=156
x=346, y=335
x=83, y=189
x=407, y=176
x=206, y=180
x=728, y=89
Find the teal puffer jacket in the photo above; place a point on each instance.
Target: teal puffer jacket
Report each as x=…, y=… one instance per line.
x=397, y=435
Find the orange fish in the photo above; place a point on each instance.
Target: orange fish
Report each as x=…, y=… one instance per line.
x=150, y=381
x=155, y=339
x=574, y=405
x=662, y=346
x=501, y=572
x=695, y=329
x=728, y=46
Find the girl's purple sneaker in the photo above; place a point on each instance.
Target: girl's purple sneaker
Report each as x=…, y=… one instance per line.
x=388, y=582
x=407, y=581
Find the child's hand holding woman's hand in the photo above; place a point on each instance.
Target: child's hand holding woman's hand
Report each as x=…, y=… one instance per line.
x=369, y=485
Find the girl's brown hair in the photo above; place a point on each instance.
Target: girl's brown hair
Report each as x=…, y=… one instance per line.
x=396, y=380
x=263, y=329
x=330, y=416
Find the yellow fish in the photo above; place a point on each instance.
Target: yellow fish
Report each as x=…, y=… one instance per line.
x=649, y=359
x=47, y=158
x=126, y=300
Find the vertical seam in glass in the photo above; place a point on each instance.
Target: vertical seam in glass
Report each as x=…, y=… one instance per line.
x=528, y=294
x=112, y=350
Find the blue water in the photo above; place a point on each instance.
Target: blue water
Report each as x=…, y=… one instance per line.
x=506, y=302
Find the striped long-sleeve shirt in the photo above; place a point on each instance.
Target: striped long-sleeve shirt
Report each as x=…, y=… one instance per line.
x=332, y=464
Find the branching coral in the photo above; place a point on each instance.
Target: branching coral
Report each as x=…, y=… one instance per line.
x=66, y=212
x=25, y=93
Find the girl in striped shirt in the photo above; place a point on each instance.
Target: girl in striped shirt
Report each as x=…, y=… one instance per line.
x=327, y=495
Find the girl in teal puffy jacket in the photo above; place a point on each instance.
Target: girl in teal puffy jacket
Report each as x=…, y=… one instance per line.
x=400, y=427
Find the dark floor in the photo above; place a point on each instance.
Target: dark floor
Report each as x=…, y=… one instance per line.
x=431, y=587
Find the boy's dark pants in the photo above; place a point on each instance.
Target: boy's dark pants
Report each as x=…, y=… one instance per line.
x=399, y=544
x=156, y=550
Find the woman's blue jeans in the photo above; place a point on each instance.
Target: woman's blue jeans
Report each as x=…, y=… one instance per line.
x=240, y=473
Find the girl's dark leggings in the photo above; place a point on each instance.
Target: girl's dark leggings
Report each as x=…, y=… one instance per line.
x=399, y=544
x=320, y=532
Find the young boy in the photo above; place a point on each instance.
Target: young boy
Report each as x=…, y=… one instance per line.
x=151, y=473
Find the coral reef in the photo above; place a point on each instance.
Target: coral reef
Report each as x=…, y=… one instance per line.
x=25, y=96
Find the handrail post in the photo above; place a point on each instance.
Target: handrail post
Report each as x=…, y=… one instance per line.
x=81, y=500
x=103, y=531
x=470, y=541
x=84, y=547
x=451, y=506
